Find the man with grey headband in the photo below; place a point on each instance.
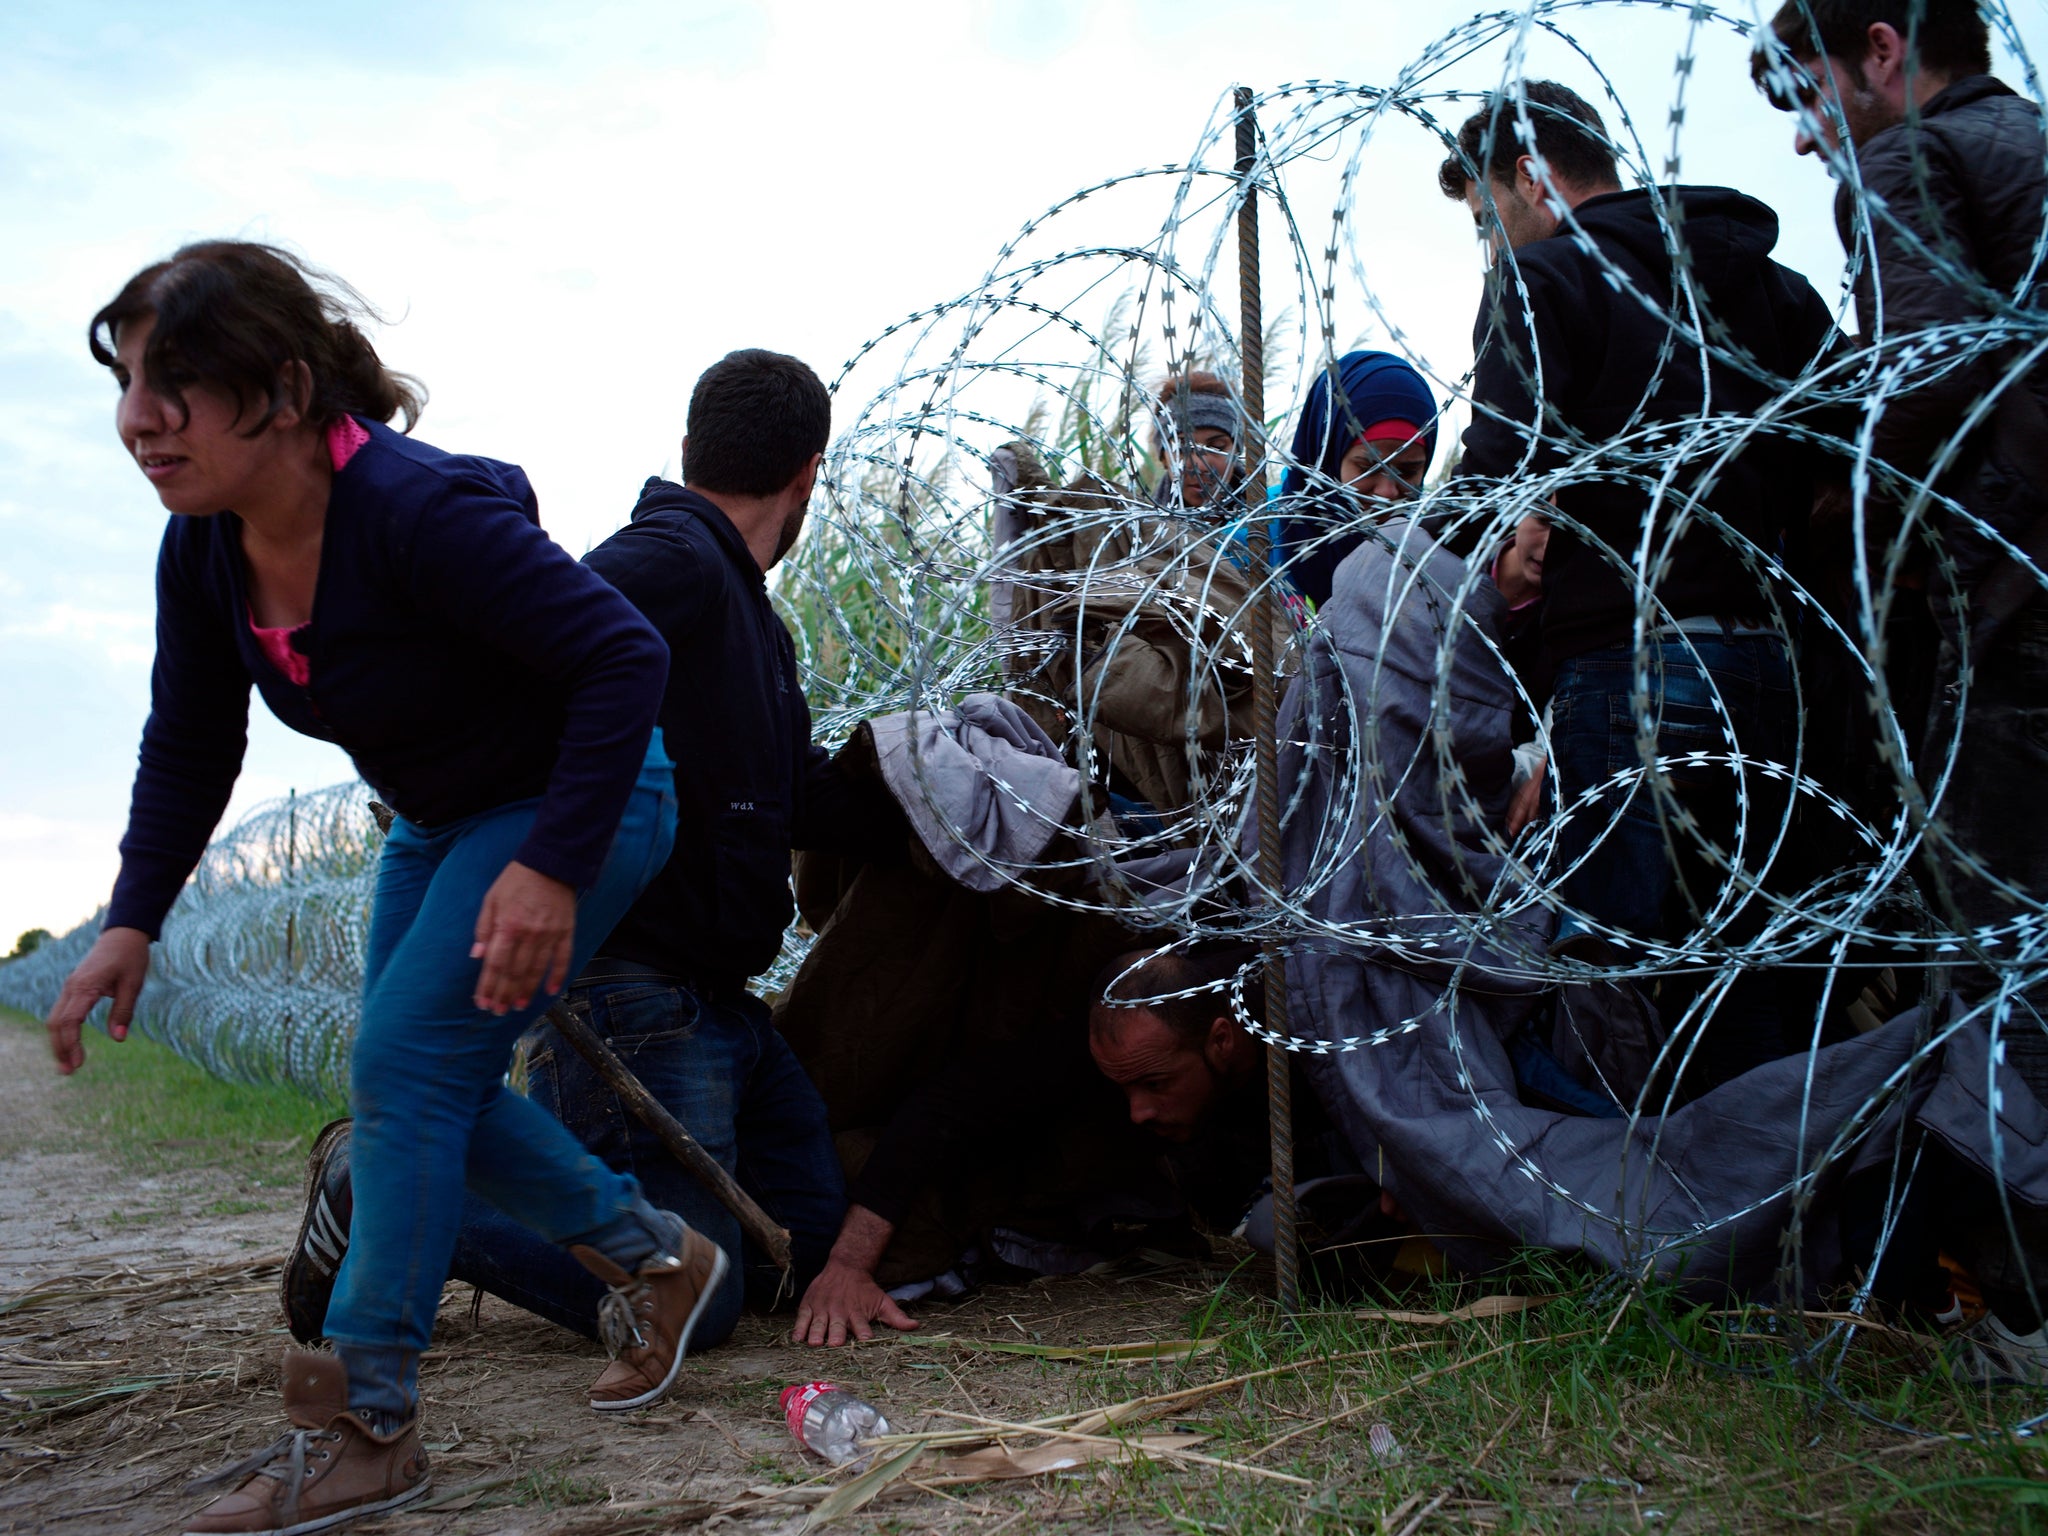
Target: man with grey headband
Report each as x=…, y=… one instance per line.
x=1196, y=433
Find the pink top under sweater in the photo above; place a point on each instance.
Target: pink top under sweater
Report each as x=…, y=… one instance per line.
x=343, y=439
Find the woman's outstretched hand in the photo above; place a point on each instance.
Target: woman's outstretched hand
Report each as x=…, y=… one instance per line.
x=115, y=966
x=524, y=933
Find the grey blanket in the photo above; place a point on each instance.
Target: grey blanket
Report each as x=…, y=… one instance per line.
x=1397, y=762
x=985, y=789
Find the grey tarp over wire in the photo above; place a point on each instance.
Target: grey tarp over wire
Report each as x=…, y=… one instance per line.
x=1390, y=850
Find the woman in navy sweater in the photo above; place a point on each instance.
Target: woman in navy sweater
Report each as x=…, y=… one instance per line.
x=403, y=603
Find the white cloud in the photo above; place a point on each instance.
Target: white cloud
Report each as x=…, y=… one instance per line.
x=123, y=637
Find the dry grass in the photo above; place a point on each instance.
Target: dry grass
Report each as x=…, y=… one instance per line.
x=114, y=1390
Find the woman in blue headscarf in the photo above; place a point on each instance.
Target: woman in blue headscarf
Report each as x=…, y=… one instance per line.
x=1377, y=445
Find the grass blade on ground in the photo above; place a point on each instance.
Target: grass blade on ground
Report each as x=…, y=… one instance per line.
x=850, y=1496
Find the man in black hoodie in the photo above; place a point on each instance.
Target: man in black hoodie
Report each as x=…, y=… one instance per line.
x=1625, y=345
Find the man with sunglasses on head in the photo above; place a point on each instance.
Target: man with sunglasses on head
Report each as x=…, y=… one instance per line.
x=1898, y=97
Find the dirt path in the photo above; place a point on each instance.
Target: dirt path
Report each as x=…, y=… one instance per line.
x=64, y=1209
x=147, y=1353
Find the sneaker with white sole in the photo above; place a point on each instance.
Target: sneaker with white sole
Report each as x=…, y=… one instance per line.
x=1989, y=1354
x=647, y=1319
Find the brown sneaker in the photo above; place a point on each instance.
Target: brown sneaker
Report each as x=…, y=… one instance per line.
x=646, y=1320
x=331, y=1468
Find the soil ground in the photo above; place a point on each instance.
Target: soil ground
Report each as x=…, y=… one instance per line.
x=153, y=1358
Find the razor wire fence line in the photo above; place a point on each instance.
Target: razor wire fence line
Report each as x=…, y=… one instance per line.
x=929, y=571
x=258, y=976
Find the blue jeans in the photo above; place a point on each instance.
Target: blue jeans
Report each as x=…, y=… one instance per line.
x=427, y=1085
x=1644, y=876
x=722, y=1070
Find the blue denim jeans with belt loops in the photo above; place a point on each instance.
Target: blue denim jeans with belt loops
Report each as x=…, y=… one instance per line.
x=433, y=1115
x=1642, y=871
x=716, y=1063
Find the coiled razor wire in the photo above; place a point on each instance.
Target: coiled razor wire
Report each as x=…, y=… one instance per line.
x=926, y=575
x=258, y=977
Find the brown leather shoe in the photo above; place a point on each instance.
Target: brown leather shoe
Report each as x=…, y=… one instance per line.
x=331, y=1468
x=646, y=1320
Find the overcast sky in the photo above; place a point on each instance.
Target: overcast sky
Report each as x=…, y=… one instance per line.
x=569, y=211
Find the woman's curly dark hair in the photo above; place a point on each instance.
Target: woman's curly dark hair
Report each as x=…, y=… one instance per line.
x=235, y=314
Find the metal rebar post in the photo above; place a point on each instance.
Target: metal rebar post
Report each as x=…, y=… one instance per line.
x=1265, y=705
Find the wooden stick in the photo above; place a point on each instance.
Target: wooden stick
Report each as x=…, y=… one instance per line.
x=684, y=1147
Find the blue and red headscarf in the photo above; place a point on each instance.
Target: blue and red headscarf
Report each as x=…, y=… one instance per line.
x=1383, y=400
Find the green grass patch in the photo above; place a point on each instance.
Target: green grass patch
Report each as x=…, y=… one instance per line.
x=150, y=1109
x=1592, y=1411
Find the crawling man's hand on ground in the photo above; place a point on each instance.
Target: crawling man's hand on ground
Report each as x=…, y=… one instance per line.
x=844, y=1300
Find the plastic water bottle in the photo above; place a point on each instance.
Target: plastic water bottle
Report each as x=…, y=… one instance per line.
x=830, y=1420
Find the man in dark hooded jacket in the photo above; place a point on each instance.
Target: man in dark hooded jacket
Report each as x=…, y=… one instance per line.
x=1600, y=355
x=1949, y=164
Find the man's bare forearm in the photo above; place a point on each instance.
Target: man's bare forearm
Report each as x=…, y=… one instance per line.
x=863, y=1238
x=843, y=1301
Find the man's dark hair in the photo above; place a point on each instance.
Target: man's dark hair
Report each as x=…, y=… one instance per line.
x=755, y=420
x=1950, y=37
x=1570, y=138
x=1206, y=971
